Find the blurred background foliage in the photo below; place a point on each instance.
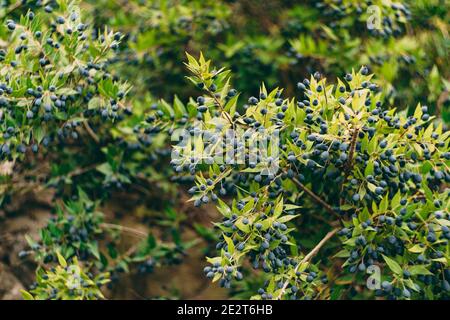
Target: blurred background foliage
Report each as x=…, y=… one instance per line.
x=281, y=41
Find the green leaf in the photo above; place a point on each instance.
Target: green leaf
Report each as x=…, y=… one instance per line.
x=39, y=133
x=393, y=265
x=287, y=218
x=61, y=260
x=288, y=207
x=419, y=269
x=369, y=169
x=95, y=103
x=214, y=260
x=26, y=295
x=230, y=244
x=93, y=246
x=166, y=108
x=178, y=107
x=66, y=91
x=243, y=227
x=105, y=168
x=342, y=254
x=416, y=249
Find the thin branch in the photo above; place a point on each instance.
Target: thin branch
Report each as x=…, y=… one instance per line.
x=91, y=132
x=80, y=171
x=308, y=257
x=135, y=232
x=316, y=198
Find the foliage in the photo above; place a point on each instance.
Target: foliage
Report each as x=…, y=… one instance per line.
x=53, y=78
x=94, y=94
x=66, y=282
x=277, y=40
x=78, y=231
x=377, y=172
x=71, y=111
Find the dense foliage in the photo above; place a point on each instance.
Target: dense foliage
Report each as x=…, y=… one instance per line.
x=376, y=172
x=107, y=99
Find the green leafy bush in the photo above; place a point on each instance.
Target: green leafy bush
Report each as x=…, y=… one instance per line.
x=344, y=159
x=53, y=79
x=334, y=186
x=278, y=40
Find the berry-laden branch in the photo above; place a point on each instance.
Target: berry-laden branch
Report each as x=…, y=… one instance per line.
x=349, y=163
x=352, y=149
x=308, y=257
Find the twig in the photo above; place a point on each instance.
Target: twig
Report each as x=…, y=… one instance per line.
x=316, y=198
x=311, y=254
x=91, y=132
x=80, y=171
x=136, y=232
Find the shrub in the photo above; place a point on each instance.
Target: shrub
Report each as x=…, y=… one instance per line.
x=369, y=174
x=61, y=103
x=331, y=187
x=54, y=79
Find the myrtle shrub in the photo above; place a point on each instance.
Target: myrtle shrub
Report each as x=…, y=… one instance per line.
x=60, y=102
x=346, y=197
x=55, y=81
x=371, y=175
x=53, y=78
